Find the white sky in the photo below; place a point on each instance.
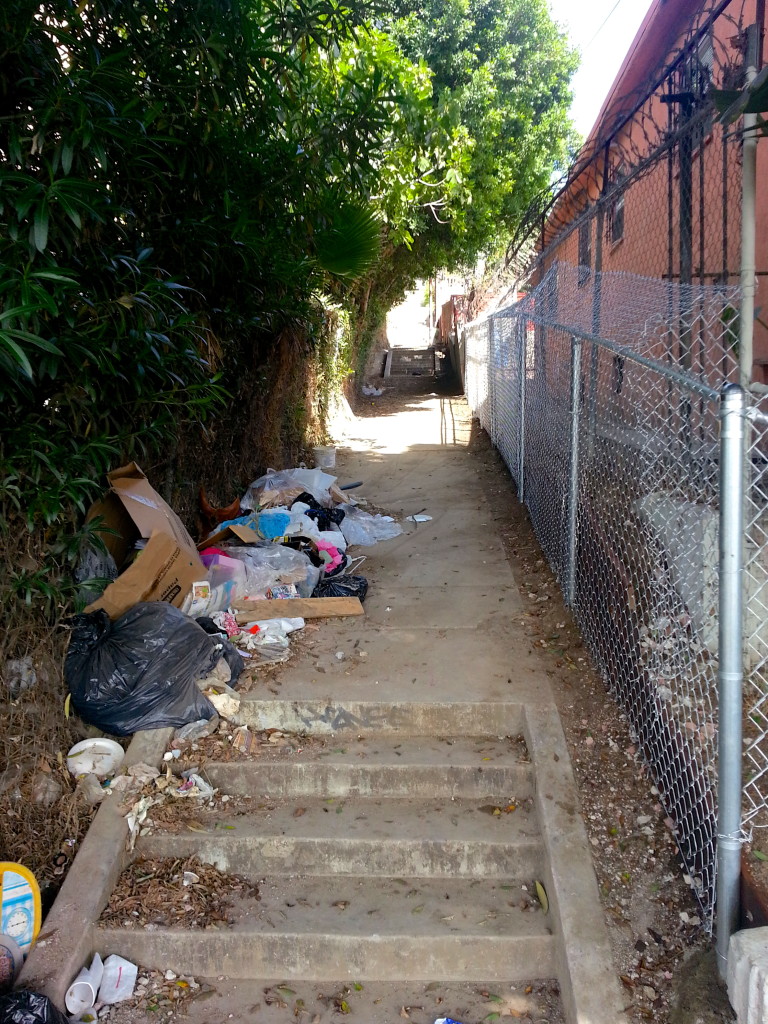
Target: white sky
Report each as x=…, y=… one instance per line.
x=603, y=45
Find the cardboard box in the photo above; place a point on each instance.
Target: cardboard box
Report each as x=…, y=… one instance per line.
x=243, y=533
x=169, y=564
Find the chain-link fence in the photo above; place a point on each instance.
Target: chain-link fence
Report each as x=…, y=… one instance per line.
x=616, y=452
x=756, y=621
x=606, y=391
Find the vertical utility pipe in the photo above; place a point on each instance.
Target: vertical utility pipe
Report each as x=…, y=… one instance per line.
x=730, y=669
x=748, y=193
x=573, y=474
x=522, y=345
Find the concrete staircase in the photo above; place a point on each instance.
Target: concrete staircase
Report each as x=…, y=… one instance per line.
x=410, y=362
x=398, y=856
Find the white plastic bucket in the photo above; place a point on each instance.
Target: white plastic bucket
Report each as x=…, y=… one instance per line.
x=325, y=457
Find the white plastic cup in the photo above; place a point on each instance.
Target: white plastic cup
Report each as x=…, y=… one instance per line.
x=81, y=994
x=325, y=456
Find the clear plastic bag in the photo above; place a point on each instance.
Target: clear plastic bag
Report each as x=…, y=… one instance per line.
x=314, y=481
x=272, y=564
x=364, y=529
x=139, y=672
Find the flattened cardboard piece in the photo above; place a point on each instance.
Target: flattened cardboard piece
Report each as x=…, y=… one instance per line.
x=243, y=533
x=167, y=567
x=164, y=571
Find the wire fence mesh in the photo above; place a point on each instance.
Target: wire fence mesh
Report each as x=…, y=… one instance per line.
x=600, y=390
x=756, y=621
x=615, y=451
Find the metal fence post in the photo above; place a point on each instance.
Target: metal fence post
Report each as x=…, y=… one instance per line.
x=730, y=667
x=573, y=469
x=521, y=355
x=492, y=381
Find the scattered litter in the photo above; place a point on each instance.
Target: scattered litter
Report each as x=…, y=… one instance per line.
x=325, y=456
x=541, y=892
x=244, y=740
x=196, y=786
x=82, y=993
x=226, y=705
x=419, y=518
x=19, y=675
x=195, y=731
x=118, y=980
x=142, y=773
x=98, y=756
x=112, y=981
x=371, y=392
x=90, y=791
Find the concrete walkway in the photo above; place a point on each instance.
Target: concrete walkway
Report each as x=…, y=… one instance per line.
x=448, y=770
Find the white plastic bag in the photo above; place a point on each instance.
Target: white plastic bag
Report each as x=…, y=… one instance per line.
x=118, y=980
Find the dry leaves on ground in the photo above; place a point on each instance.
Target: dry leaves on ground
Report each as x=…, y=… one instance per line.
x=164, y=893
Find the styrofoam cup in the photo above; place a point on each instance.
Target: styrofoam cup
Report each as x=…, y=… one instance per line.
x=81, y=994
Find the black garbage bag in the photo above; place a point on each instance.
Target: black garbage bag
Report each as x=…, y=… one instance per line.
x=341, y=586
x=139, y=672
x=26, y=1007
x=228, y=650
x=326, y=518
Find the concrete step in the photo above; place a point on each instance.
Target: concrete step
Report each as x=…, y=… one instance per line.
x=327, y=717
x=397, y=838
x=411, y=361
x=274, y=1001
x=382, y=929
x=386, y=766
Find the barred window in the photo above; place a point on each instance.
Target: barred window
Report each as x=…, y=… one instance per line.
x=585, y=251
x=616, y=207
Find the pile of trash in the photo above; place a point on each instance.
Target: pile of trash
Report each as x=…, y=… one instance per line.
x=171, y=624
